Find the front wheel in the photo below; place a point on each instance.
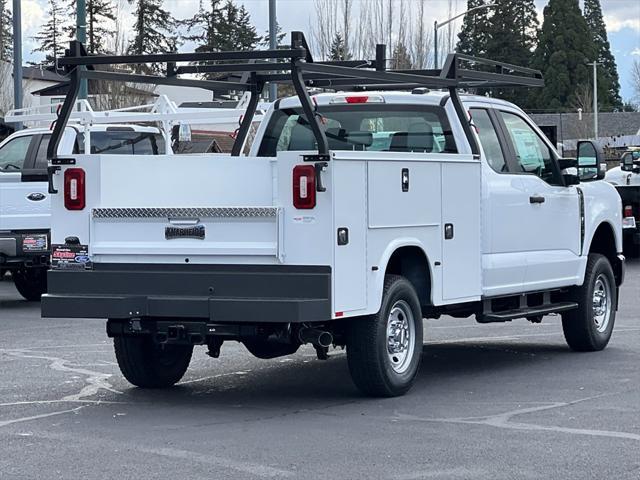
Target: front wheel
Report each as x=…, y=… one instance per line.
x=589, y=327
x=31, y=283
x=384, y=350
x=147, y=364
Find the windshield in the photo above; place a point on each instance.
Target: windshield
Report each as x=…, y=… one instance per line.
x=379, y=127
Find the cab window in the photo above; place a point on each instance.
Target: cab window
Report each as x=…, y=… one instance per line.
x=41, y=154
x=14, y=154
x=373, y=127
x=532, y=153
x=127, y=142
x=489, y=139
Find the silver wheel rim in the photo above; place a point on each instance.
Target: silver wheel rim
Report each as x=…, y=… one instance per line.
x=401, y=338
x=601, y=303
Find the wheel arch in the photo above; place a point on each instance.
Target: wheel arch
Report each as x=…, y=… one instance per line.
x=604, y=242
x=409, y=259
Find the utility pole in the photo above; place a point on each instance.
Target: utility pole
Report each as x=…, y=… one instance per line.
x=437, y=25
x=595, y=98
x=435, y=44
x=17, y=58
x=81, y=36
x=273, y=44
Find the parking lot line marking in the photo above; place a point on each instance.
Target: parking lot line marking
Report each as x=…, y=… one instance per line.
x=39, y=417
x=503, y=420
x=244, y=467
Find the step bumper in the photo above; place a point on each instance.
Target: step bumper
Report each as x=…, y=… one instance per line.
x=217, y=293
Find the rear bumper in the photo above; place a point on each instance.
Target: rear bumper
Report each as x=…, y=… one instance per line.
x=20, y=248
x=218, y=293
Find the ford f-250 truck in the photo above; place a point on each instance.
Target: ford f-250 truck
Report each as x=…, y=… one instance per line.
x=356, y=214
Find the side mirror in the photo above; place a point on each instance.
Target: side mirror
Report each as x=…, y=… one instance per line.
x=591, y=164
x=630, y=161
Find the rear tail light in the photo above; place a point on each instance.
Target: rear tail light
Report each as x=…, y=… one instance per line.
x=74, y=189
x=628, y=211
x=304, y=187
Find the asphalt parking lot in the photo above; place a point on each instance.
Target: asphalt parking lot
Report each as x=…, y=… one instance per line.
x=491, y=402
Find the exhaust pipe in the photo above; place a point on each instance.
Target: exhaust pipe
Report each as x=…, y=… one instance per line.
x=316, y=337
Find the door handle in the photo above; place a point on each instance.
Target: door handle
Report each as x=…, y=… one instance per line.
x=536, y=199
x=36, y=196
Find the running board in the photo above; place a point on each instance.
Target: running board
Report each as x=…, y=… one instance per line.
x=527, y=312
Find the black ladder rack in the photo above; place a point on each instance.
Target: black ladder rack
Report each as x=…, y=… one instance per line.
x=294, y=66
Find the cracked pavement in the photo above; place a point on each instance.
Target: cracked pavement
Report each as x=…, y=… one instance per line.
x=500, y=401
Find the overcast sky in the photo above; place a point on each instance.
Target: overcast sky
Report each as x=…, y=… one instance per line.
x=621, y=16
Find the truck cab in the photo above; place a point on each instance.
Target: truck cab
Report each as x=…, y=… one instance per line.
x=356, y=214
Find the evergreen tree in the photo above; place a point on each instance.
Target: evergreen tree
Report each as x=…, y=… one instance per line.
x=221, y=27
x=608, y=82
x=100, y=16
x=204, y=26
x=564, y=48
x=6, y=33
x=154, y=29
x=339, y=49
x=264, y=41
x=511, y=38
x=51, y=37
x=236, y=31
x=401, y=58
x=472, y=39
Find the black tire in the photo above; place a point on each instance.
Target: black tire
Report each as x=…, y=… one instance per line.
x=582, y=331
x=368, y=356
x=31, y=283
x=146, y=364
x=266, y=350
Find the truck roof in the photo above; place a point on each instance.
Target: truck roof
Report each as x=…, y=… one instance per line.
x=418, y=96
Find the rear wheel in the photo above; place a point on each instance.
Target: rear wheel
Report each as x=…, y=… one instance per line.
x=384, y=350
x=147, y=364
x=589, y=327
x=31, y=283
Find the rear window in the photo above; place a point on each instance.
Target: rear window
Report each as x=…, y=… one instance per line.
x=110, y=143
x=379, y=128
x=127, y=143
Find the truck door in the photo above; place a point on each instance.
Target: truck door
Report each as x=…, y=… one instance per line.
x=546, y=225
x=24, y=200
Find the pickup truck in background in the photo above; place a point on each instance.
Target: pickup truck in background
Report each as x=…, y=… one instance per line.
x=626, y=179
x=356, y=214
x=25, y=208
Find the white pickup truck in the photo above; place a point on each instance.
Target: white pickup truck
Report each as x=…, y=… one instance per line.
x=355, y=216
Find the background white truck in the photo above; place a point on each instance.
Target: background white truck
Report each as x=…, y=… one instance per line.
x=355, y=216
x=24, y=199
x=626, y=179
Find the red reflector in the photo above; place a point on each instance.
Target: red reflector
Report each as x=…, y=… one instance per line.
x=628, y=211
x=339, y=314
x=304, y=187
x=74, y=189
x=358, y=99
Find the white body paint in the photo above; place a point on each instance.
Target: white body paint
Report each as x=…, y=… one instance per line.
x=503, y=244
